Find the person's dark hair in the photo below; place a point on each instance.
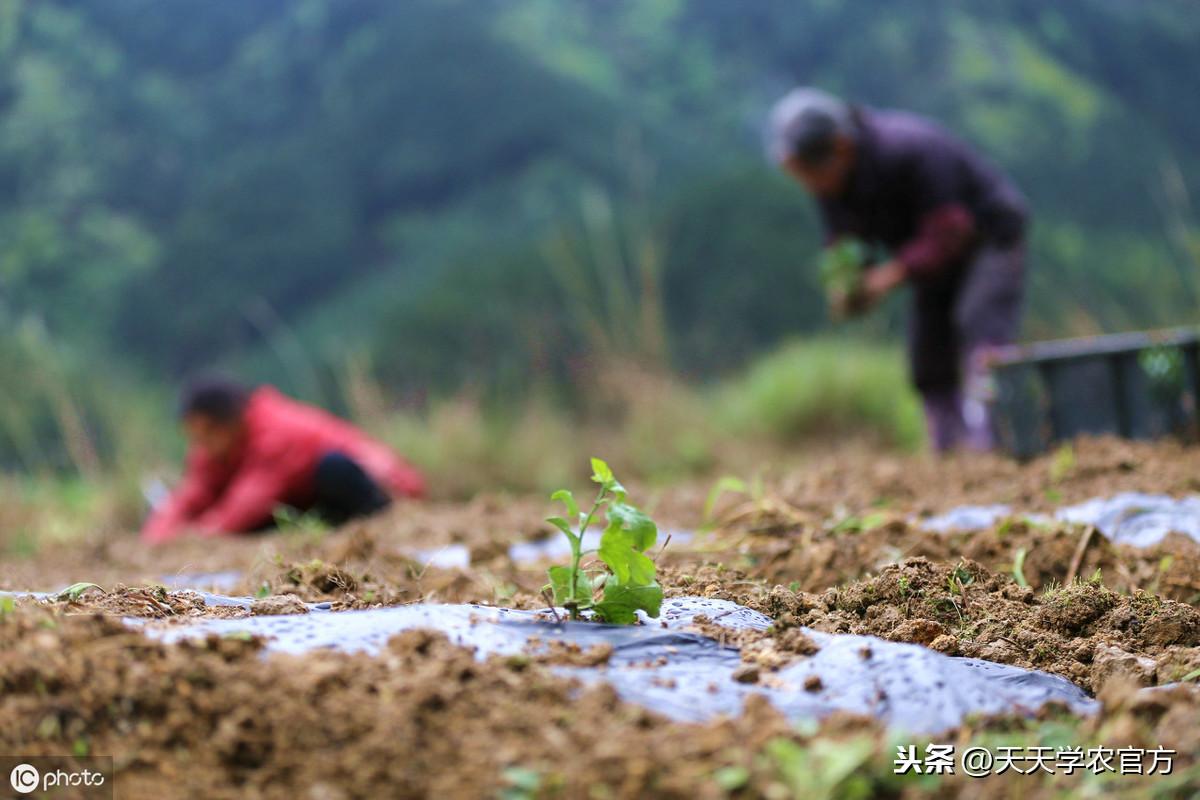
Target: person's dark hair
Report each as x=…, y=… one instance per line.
x=806, y=123
x=215, y=397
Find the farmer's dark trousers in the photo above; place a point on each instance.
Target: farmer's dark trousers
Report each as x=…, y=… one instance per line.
x=345, y=491
x=957, y=321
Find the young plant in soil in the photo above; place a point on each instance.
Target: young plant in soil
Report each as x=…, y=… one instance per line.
x=627, y=578
x=842, y=265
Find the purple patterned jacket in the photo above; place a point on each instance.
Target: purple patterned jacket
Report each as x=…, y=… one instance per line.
x=923, y=195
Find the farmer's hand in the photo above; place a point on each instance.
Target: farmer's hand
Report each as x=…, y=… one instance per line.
x=878, y=282
x=846, y=304
x=875, y=284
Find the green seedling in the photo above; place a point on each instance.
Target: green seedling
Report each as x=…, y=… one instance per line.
x=7, y=606
x=725, y=484
x=1164, y=366
x=958, y=580
x=521, y=783
x=1164, y=566
x=1191, y=676
x=731, y=778
x=1063, y=463
x=823, y=769
x=842, y=266
x=864, y=524
x=1018, y=570
x=75, y=591
x=628, y=579
x=291, y=520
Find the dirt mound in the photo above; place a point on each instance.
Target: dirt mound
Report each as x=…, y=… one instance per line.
x=425, y=718
x=818, y=555
x=927, y=484
x=150, y=602
x=1085, y=631
x=821, y=547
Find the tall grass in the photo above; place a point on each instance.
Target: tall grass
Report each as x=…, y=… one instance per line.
x=466, y=448
x=648, y=422
x=825, y=388
x=609, y=273
x=77, y=438
x=656, y=426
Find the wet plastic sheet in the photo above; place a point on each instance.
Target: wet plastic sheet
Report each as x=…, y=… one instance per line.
x=688, y=676
x=218, y=581
x=966, y=518
x=1140, y=520
x=1132, y=518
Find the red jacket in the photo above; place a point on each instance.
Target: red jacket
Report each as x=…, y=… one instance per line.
x=274, y=465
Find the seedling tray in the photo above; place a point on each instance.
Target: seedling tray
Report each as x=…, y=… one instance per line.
x=1140, y=385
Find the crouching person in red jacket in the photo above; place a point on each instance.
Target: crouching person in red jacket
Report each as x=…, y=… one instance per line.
x=251, y=451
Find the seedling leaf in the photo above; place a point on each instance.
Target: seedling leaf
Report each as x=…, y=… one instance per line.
x=565, y=497
x=560, y=584
x=603, y=475
x=627, y=563
x=621, y=602
x=601, y=472
x=562, y=525
x=75, y=591
x=643, y=533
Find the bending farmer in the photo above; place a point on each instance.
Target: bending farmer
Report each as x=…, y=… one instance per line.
x=253, y=450
x=940, y=218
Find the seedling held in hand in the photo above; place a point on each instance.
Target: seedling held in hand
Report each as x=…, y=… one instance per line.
x=842, y=266
x=628, y=579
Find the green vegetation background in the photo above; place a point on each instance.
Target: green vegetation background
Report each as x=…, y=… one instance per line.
x=377, y=204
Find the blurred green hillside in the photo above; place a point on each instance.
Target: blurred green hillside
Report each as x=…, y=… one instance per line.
x=498, y=194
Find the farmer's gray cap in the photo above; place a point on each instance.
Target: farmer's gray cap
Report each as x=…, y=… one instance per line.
x=804, y=124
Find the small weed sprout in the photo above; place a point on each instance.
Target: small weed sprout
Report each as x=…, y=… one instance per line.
x=1018, y=569
x=75, y=591
x=628, y=580
x=304, y=523
x=959, y=579
x=727, y=484
x=1063, y=463
x=521, y=783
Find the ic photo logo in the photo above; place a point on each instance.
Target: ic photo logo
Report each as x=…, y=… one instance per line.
x=57, y=776
x=24, y=778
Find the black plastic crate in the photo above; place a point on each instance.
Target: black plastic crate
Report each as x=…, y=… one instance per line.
x=1138, y=385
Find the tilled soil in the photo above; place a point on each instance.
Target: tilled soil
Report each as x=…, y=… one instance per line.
x=1084, y=632
x=426, y=719
x=830, y=557
x=834, y=546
